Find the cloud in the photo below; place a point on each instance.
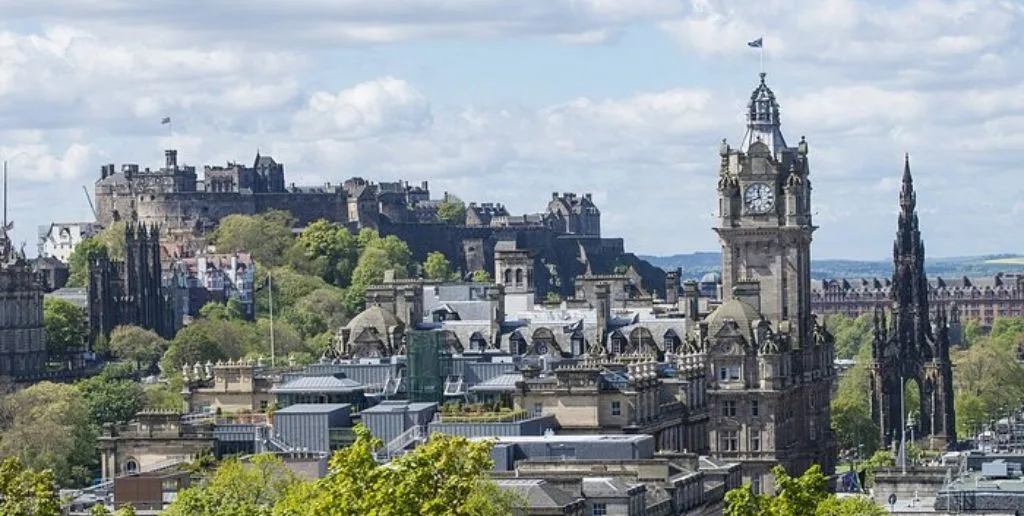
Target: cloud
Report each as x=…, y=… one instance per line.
x=626, y=100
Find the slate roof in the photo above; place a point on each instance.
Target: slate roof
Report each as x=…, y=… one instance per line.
x=318, y=384
x=539, y=494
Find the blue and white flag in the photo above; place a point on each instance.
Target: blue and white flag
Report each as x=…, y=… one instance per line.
x=757, y=43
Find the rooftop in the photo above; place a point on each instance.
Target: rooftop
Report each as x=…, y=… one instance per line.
x=579, y=438
x=336, y=383
x=312, y=408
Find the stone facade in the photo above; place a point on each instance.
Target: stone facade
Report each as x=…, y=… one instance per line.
x=769, y=362
x=153, y=440
x=133, y=291
x=981, y=299
x=22, y=343
x=911, y=348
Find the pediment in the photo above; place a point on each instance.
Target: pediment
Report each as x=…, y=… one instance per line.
x=728, y=346
x=730, y=329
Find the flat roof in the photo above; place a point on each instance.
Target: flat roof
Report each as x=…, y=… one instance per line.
x=312, y=408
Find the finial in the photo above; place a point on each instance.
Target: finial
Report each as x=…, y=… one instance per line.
x=762, y=75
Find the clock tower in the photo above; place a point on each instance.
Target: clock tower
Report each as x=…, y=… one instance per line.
x=764, y=222
x=770, y=364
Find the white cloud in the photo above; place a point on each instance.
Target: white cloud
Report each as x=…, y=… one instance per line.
x=86, y=83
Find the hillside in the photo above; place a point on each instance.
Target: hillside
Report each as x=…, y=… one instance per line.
x=694, y=265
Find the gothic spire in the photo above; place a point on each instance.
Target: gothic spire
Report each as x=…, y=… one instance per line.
x=908, y=199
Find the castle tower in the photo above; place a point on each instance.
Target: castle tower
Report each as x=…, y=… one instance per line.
x=514, y=270
x=908, y=350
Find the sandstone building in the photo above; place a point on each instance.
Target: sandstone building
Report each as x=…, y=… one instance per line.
x=22, y=343
x=770, y=364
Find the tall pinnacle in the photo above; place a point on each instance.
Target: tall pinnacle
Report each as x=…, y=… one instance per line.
x=908, y=199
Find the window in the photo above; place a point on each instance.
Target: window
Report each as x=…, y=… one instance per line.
x=730, y=441
x=599, y=509
x=263, y=405
x=729, y=409
x=754, y=408
x=755, y=484
x=730, y=373
x=538, y=409
x=755, y=439
x=813, y=429
x=616, y=408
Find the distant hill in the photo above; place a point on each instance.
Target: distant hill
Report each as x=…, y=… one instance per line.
x=695, y=265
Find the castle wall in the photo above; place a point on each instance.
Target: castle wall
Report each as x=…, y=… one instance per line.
x=306, y=207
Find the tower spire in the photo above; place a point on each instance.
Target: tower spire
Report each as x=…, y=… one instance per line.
x=908, y=199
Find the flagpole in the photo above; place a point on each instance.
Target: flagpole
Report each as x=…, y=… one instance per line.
x=270, y=285
x=762, y=53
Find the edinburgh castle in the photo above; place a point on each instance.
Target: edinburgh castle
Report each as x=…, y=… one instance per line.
x=564, y=239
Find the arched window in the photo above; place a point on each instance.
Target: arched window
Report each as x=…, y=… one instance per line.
x=672, y=341
x=477, y=342
x=508, y=276
x=544, y=342
x=519, y=276
x=131, y=465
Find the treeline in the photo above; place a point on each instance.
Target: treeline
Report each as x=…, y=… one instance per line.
x=988, y=379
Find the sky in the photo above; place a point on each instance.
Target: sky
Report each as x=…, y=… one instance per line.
x=510, y=100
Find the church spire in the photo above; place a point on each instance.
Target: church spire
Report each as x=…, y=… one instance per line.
x=908, y=199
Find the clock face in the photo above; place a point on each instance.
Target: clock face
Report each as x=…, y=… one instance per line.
x=759, y=198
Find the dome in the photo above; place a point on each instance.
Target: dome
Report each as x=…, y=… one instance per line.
x=711, y=277
x=375, y=317
x=742, y=313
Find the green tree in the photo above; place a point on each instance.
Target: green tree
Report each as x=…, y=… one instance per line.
x=322, y=310
x=89, y=249
x=987, y=379
x=24, y=492
x=197, y=342
x=445, y=476
x=141, y=346
x=238, y=489
x=232, y=310
x=851, y=334
x=851, y=412
x=805, y=495
x=452, y=210
x=437, y=267
x=971, y=332
x=289, y=286
x=482, y=276
x=266, y=236
x=64, y=325
x=49, y=426
x=112, y=401
x=331, y=249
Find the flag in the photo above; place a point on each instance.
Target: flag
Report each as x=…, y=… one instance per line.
x=9, y=226
x=165, y=121
x=757, y=43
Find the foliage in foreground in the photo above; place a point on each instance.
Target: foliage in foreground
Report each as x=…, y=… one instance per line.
x=26, y=492
x=805, y=495
x=445, y=476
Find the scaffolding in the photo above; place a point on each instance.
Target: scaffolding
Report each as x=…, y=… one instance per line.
x=430, y=364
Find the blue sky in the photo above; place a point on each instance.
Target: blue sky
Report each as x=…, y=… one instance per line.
x=501, y=100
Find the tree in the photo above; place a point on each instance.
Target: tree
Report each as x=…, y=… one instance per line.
x=232, y=310
x=851, y=334
x=87, y=250
x=452, y=210
x=322, y=310
x=797, y=496
x=64, y=325
x=194, y=343
x=266, y=236
x=24, y=492
x=437, y=267
x=331, y=249
x=988, y=379
x=136, y=344
x=112, y=401
x=238, y=489
x=447, y=475
x=482, y=277
x=49, y=426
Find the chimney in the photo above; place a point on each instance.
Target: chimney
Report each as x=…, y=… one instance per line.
x=104, y=171
x=690, y=294
x=603, y=306
x=554, y=195
x=672, y=287
x=423, y=185
x=588, y=196
x=749, y=292
x=171, y=158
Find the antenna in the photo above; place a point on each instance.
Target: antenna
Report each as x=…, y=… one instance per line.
x=5, y=197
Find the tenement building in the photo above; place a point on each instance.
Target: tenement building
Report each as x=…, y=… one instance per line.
x=913, y=347
x=769, y=361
